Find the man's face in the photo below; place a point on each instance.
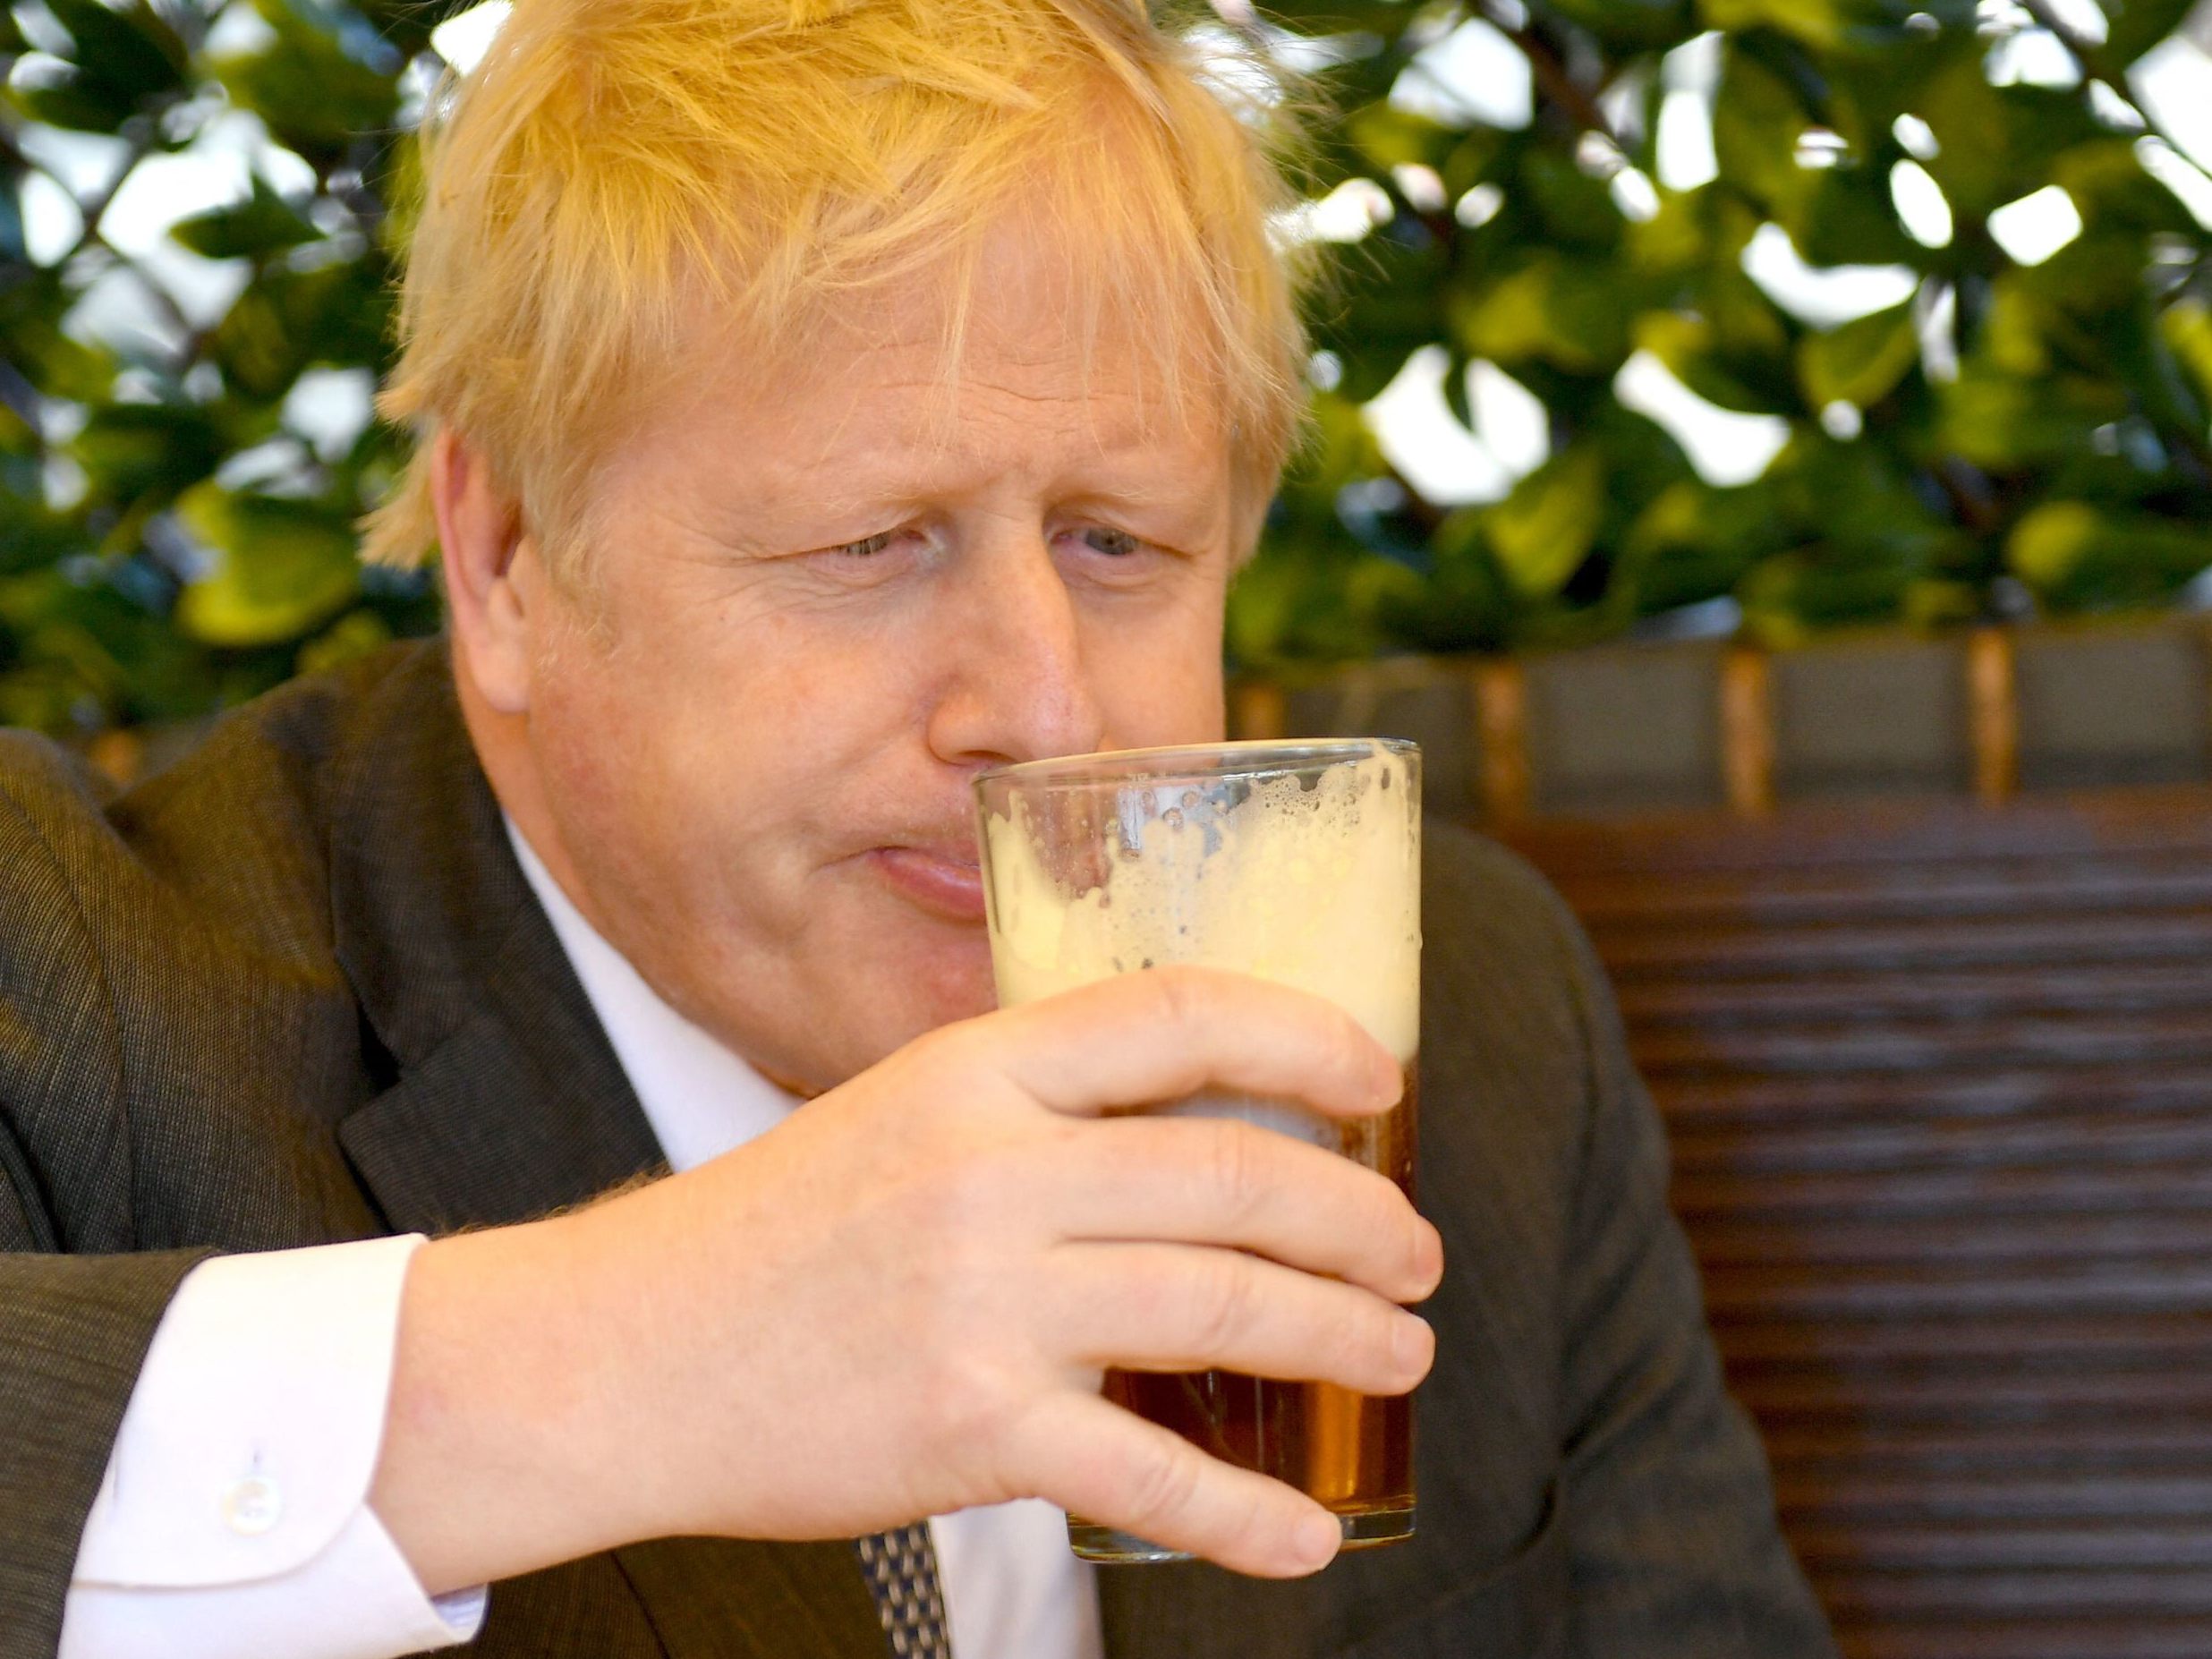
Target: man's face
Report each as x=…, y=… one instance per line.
x=825, y=604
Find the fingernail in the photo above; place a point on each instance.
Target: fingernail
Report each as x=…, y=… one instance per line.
x=1431, y=1251
x=1411, y=1346
x=1390, y=1083
x=1318, y=1536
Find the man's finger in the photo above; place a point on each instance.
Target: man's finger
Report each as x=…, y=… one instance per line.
x=1218, y=1182
x=1180, y=1307
x=1111, y=1467
x=1141, y=1038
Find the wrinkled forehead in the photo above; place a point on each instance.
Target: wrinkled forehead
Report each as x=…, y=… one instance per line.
x=1018, y=336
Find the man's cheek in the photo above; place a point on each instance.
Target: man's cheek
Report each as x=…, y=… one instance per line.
x=1160, y=682
x=1169, y=703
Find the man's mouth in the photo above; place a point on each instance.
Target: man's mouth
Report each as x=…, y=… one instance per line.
x=942, y=880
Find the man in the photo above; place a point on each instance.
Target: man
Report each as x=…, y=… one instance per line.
x=817, y=405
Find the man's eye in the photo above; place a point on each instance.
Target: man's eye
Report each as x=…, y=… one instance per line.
x=1117, y=543
x=867, y=547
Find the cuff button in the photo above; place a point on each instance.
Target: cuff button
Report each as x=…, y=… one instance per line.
x=251, y=1506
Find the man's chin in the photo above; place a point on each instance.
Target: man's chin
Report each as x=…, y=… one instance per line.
x=904, y=994
x=961, y=989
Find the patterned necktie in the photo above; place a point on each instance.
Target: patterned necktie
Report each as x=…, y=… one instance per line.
x=901, y=1569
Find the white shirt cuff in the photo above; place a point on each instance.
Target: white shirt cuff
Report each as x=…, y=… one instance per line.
x=233, y=1517
x=358, y=1599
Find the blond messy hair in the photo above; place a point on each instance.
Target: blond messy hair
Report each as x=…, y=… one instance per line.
x=615, y=169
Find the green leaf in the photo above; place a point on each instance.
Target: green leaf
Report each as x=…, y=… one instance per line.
x=2133, y=27
x=1468, y=603
x=263, y=223
x=1632, y=26
x=1825, y=25
x=2004, y=423
x=1474, y=159
x=2107, y=182
x=1756, y=118
x=2050, y=542
x=1687, y=344
x=1997, y=144
x=1861, y=362
x=74, y=102
x=1678, y=240
x=1845, y=216
x=1386, y=136
x=289, y=320
x=2186, y=326
x=31, y=535
x=1858, y=502
x=128, y=55
x=1296, y=602
x=1696, y=542
x=134, y=453
x=1573, y=210
x=311, y=90
x=2077, y=556
x=355, y=635
x=1572, y=313
x=1839, y=214
x=1787, y=597
x=57, y=363
x=1642, y=462
x=123, y=62
x=2096, y=274
x=281, y=567
x=1542, y=531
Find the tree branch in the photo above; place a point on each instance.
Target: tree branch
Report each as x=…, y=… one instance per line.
x=1557, y=85
x=2098, y=67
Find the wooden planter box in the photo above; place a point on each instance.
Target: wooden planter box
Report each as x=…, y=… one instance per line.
x=1620, y=730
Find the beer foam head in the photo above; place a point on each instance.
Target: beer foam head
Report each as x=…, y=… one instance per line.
x=1309, y=877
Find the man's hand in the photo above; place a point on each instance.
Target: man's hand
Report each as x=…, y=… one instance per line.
x=899, y=1302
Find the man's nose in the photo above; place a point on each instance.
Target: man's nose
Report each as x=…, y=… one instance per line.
x=1019, y=688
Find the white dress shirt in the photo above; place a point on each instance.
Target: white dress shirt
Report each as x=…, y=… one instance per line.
x=233, y=1520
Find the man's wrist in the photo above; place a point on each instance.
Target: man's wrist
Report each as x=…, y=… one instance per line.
x=505, y=1444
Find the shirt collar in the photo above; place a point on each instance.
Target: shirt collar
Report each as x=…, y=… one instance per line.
x=700, y=1097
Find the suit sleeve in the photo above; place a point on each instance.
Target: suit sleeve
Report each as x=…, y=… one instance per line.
x=78, y=1307
x=77, y=1331
x=235, y=1517
x=1673, y=1544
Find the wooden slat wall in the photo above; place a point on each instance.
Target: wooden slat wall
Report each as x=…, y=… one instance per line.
x=1939, y=1082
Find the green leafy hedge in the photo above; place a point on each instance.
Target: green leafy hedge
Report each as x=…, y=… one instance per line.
x=2007, y=435
x=185, y=451
x=175, y=525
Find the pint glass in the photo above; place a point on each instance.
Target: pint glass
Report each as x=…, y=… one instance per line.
x=1298, y=863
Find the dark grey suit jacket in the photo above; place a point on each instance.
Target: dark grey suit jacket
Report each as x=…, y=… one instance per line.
x=296, y=990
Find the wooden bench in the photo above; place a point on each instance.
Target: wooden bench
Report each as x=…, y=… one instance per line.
x=1939, y=1084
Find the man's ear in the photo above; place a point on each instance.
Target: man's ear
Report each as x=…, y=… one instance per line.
x=494, y=583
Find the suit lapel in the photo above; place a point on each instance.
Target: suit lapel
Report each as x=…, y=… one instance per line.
x=519, y=1111
x=509, y=1103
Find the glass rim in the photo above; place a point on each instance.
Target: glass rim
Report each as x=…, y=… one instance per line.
x=1247, y=757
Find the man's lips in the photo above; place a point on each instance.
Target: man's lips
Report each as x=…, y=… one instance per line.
x=943, y=881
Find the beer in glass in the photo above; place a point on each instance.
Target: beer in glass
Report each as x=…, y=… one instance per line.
x=1297, y=862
